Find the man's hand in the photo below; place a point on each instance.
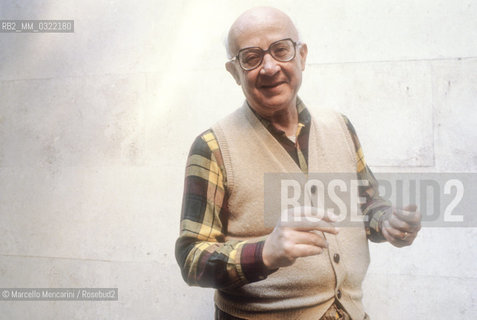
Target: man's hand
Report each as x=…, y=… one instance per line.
x=297, y=237
x=400, y=226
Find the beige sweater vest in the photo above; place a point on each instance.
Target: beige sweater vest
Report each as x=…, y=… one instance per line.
x=308, y=288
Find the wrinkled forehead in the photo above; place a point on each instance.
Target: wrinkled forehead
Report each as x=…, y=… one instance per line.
x=260, y=31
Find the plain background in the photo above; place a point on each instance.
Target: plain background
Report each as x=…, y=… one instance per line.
x=96, y=125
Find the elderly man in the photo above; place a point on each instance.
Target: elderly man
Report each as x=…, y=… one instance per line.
x=311, y=271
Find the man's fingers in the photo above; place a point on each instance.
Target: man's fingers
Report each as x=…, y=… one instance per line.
x=410, y=207
x=309, y=219
x=398, y=223
x=315, y=226
x=322, y=226
x=310, y=238
x=399, y=234
x=309, y=213
x=408, y=214
x=394, y=241
x=402, y=225
x=306, y=250
x=394, y=232
x=284, y=245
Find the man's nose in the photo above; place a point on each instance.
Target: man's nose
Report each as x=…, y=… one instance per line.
x=270, y=65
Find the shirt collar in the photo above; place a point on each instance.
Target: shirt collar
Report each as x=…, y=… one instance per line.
x=304, y=117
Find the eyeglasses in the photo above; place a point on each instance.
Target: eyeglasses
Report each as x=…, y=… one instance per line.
x=281, y=50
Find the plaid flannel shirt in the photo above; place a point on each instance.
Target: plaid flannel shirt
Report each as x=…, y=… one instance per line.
x=205, y=258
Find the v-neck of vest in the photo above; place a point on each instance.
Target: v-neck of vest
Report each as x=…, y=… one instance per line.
x=284, y=157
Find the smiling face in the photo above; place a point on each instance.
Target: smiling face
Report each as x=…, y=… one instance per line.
x=272, y=86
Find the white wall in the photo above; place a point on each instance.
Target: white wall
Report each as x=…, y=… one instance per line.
x=95, y=127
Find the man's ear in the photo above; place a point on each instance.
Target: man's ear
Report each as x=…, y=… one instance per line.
x=230, y=66
x=303, y=52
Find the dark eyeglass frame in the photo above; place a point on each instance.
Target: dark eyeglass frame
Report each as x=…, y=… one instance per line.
x=264, y=52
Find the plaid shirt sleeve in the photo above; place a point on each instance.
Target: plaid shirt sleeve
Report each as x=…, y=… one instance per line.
x=374, y=207
x=205, y=258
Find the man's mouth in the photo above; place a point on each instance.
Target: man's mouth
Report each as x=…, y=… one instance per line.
x=272, y=85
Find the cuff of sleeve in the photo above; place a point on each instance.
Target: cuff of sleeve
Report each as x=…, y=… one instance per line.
x=375, y=233
x=252, y=264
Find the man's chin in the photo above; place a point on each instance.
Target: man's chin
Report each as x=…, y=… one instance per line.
x=275, y=103
x=271, y=102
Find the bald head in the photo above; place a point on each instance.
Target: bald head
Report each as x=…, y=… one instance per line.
x=254, y=22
